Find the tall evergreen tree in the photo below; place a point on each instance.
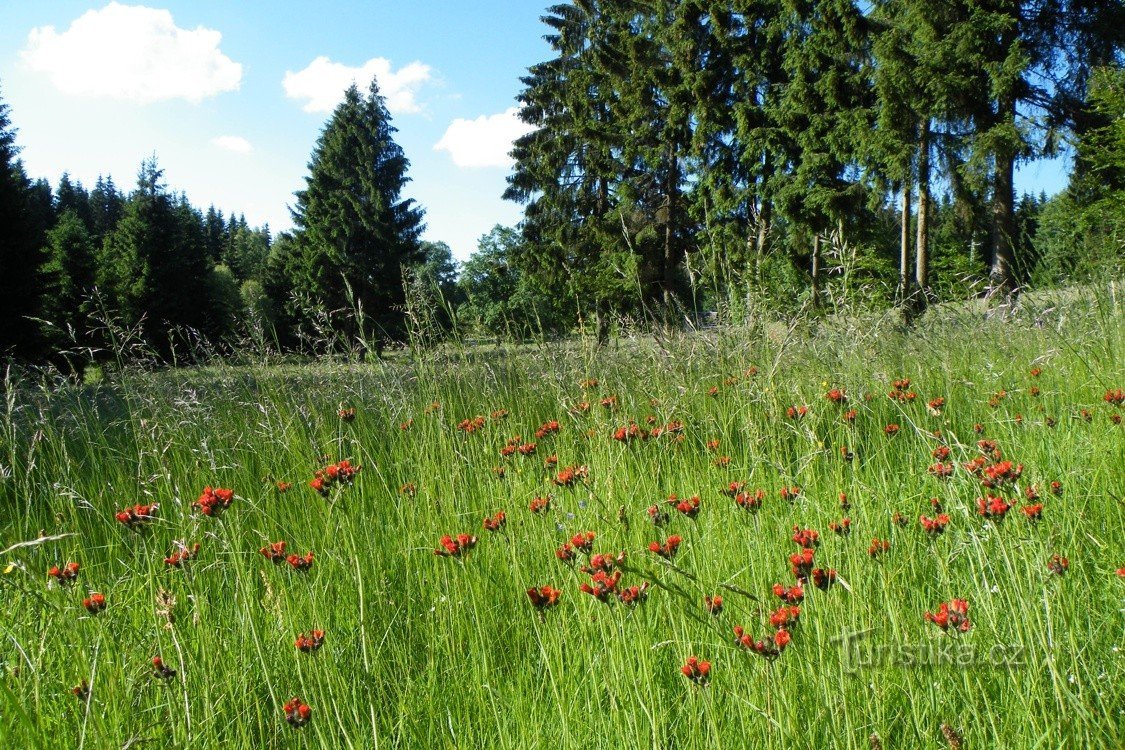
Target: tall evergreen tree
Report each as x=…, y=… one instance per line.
x=355, y=231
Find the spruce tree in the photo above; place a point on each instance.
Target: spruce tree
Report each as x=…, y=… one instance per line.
x=354, y=230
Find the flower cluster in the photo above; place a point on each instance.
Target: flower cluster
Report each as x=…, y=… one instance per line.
x=878, y=548
x=952, y=614
x=540, y=504
x=496, y=522
x=842, y=528
x=309, y=642
x=689, y=506
x=213, y=501
x=455, y=546
x=547, y=428
x=571, y=475
x=94, y=603
x=668, y=549
x=346, y=414
x=770, y=648
x=934, y=526
x=544, y=597
x=340, y=474
x=65, y=575
x=469, y=426
x=297, y=562
x=274, y=552
x=805, y=538
x=137, y=516
x=993, y=507
x=696, y=670
x=160, y=670
x=182, y=555
x=297, y=712
x=1058, y=565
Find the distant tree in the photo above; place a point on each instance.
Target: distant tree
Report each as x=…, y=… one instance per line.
x=107, y=206
x=68, y=274
x=354, y=230
x=20, y=256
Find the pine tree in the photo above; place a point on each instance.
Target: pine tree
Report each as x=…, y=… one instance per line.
x=355, y=231
x=20, y=242
x=68, y=274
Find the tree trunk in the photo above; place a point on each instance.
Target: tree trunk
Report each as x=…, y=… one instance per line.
x=601, y=318
x=671, y=260
x=764, y=216
x=904, y=264
x=1003, y=209
x=816, y=270
x=922, y=249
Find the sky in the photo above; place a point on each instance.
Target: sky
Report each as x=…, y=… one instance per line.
x=231, y=97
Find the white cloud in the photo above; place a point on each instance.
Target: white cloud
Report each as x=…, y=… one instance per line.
x=237, y=144
x=134, y=53
x=485, y=141
x=322, y=83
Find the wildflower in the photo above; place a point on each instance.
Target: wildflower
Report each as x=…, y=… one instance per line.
x=993, y=507
x=667, y=550
x=137, y=516
x=732, y=489
x=1058, y=565
x=836, y=395
x=1036, y=372
x=94, y=603
x=544, y=597
x=796, y=412
x=898, y=519
x=602, y=561
x=1000, y=473
x=783, y=618
x=160, y=670
x=609, y=402
x=941, y=453
x=801, y=563
x=750, y=501
x=891, y=430
x=770, y=648
x=346, y=415
x=630, y=433
x=527, y=449
x=1056, y=488
x=846, y=453
x=940, y=470
x=823, y=578
x=934, y=526
x=499, y=472
x=182, y=555
x=722, y=461
x=499, y=415
x=697, y=671
x=1034, y=512
x=878, y=547
x=791, y=594
x=790, y=493
x=583, y=541
x=455, y=546
x=81, y=691
x=601, y=585
x=1114, y=397
x=341, y=473
x=64, y=575
x=631, y=596
x=935, y=406
x=307, y=643
x=565, y=553
x=953, y=614
x=274, y=552
x=212, y=502
x=496, y=522
x=713, y=604
x=713, y=391
x=297, y=712
x=1033, y=391
x=283, y=486
x=409, y=489
x=540, y=504
x=404, y=426
x=300, y=563
x=1086, y=414
x=688, y=506
x=850, y=415
x=841, y=528
x=551, y=461
x=588, y=383
x=469, y=426
x=713, y=445
x=805, y=538
x=569, y=476
x=844, y=504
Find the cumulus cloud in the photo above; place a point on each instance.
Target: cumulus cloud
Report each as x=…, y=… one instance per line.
x=485, y=141
x=322, y=83
x=133, y=53
x=237, y=144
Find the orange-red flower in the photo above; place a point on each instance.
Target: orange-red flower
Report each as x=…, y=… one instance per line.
x=602, y=585
x=496, y=522
x=455, y=546
x=689, y=506
x=842, y=528
x=182, y=555
x=791, y=594
x=297, y=712
x=571, y=475
x=540, y=504
x=213, y=501
x=934, y=526
x=713, y=604
x=631, y=596
x=544, y=597
x=1058, y=565
x=274, y=552
x=696, y=670
x=806, y=538
x=770, y=648
x=160, y=670
x=300, y=563
x=347, y=414
x=66, y=574
x=878, y=548
x=953, y=614
x=668, y=549
x=309, y=642
x=94, y=603
x=750, y=501
x=785, y=617
x=137, y=516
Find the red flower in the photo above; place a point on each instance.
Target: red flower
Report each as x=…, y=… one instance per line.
x=688, y=506
x=801, y=563
x=878, y=547
x=805, y=538
x=406, y=425
x=898, y=519
x=843, y=528
x=571, y=475
x=81, y=691
x=274, y=552
x=940, y=470
x=1056, y=488
x=1000, y=473
x=300, y=563
x=796, y=412
x=791, y=594
x=850, y=415
x=94, y=603
x=346, y=415
x=934, y=526
x=604, y=562
x=844, y=504
x=583, y=541
x=1058, y=565
x=544, y=597
x=667, y=550
x=657, y=515
x=495, y=523
x=1036, y=372
x=713, y=604
x=602, y=585
x=748, y=501
x=1034, y=512
x=540, y=504
x=64, y=575
x=837, y=395
x=297, y=713
x=565, y=553
x=784, y=617
x=633, y=595
x=993, y=507
x=499, y=414
x=1114, y=397
x=182, y=555
x=609, y=402
x=823, y=579
x=307, y=643
x=790, y=493
x=891, y=430
x=283, y=486
x=630, y=433
x=770, y=648
x=212, y=502
x=696, y=670
x=935, y=406
x=455, y=547
x=469, y=426
x=547, y=428
x=160, y=670
x=137, y=516
x=953, y=614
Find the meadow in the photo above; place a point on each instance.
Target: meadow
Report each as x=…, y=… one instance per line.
x=803, y=535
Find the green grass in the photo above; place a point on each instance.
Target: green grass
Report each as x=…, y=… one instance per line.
x=432, y=652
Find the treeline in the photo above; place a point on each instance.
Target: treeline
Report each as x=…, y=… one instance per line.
x=801, y=145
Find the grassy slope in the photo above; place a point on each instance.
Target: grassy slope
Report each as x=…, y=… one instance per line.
x=423, y=651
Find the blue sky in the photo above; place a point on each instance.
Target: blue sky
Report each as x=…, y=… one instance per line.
x=86, y=97
x=231, y=96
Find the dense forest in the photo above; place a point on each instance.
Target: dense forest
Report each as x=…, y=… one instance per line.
x=687, y=156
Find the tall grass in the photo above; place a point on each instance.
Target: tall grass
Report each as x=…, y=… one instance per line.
x=427, y=651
